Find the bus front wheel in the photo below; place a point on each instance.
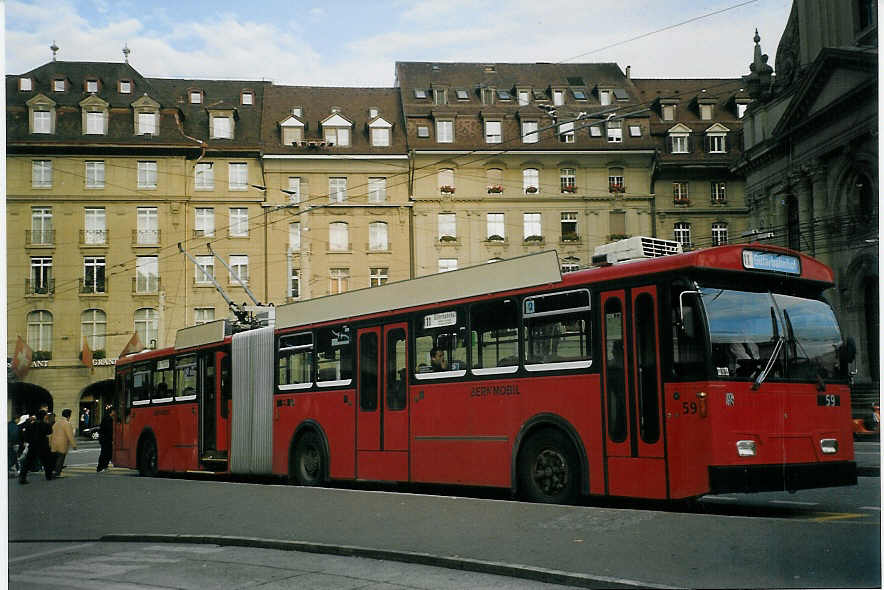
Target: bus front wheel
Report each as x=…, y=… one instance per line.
x=548, y=468
x=147, y=464
x=308, y=461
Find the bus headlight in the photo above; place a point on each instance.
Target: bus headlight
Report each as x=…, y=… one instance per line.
x=746, y=448
x=829, y=446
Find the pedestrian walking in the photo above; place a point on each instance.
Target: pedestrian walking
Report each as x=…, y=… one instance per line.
x=61, y=441
x=13, y=438
x=106, y=438
x=37, y=437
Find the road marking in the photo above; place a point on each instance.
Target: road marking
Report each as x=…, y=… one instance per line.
x=878, y=508
x=795, y=502
x=834, y=516
x=50, y=552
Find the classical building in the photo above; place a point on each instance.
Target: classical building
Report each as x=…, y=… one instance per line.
x=810, y=160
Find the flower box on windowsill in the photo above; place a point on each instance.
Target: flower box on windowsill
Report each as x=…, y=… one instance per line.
x=531, y=190
x=446, y=190
x=41, y=355
x=495, y=238
x=494, y=190
x=681, y=201
x=448, y=239
x=616, y=188
x=534, y=239
x=719, y=201
x=569, y=189
x=570, y=238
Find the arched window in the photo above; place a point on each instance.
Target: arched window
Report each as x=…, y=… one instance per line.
x=93, y=323
x=338, y=236
x=531, y=181
x=494, y=176
x=446, y=180
x=40, y=331
x=377, y=236
x=147, y=326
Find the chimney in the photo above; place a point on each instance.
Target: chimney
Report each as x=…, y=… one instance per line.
x=628, y=72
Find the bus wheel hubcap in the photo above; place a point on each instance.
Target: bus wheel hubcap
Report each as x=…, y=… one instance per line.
x=311, y=462
x=551, y=472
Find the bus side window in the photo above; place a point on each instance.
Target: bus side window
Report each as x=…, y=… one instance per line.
x=557, y=330
x=688, y=348
x=494, y=329
x=443, y=333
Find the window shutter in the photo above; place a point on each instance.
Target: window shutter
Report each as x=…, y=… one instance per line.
x=727, y=142
x=669, y=141
x=690, y=144
x=708, y=144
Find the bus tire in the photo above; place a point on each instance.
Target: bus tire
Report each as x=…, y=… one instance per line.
x=548, y=469
x=147, y=457
x=308, y=461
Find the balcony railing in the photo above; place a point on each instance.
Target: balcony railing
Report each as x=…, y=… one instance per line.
x=146, y=285
x=98, y=287
x=93, y=237
x=39, y=237
x=145, y=237
x=41, y=287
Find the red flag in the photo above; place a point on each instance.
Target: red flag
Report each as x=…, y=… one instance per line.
x=86, y=354
x=21, y=361
x=134, y=345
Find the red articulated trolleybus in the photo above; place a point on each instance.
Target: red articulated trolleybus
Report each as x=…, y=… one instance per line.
x=664, y=377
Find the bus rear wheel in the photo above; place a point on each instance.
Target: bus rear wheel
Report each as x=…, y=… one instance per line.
x=548, y=469
x=308, y=461
x=147, y=460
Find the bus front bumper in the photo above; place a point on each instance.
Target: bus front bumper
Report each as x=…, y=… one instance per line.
x=790, y=477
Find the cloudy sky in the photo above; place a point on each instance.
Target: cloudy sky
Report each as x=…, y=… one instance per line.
x=355, y=43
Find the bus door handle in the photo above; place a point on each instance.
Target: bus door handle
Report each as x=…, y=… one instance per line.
x=347, y=400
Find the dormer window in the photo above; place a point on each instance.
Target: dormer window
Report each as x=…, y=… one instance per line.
x=195, y=96
x=539, y=95
x=298, y=112
x=668, y=112
x=25, y=84
x=59, y=85
x=372, y=112
x=147, y=114
x=488, y=96
x=247, y=98
x=579, y=93
x=420, y=92
x=566, y=132
x=379, y=131
x=492, y=132
x=716, y=139
x=292, y=129
x=440, y=96
x=504, y=95
x=679, y=139
x=221, y=124
x=336, y=129
x=41, y=114
x=741, y=109
x=92, y=86
x=524, y=97
x=620, y=95
x=604, y=97
x=558, y=97
x=147, y=123
x=462, y=94
x=125, y=86
x=95, y=123
x=94, y=115
x=706, y=112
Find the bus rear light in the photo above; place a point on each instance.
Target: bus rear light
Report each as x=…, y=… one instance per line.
x=746, y=448
x=829, y=446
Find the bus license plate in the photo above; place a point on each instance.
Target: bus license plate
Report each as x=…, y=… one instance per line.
x=828, y=399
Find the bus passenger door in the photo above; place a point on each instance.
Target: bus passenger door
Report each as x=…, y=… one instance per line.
x=635, y=463
x=216, y=412
x=382, y=419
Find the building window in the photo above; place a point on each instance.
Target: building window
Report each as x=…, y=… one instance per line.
x=239, y=222
x=339, y=136
x=148, y=231
x=41, y=173
x=96, y=226
x=295, y=236
x=292, y=134
x=492, y=132
x=92, y=86
x=294, y=283
x=95, y=174
x=531, y=181
x=570, y=264
x=595, y=130
x=447, y=226
x=41, y=225
x=494, y=176
x=25, y=84
x=125, y=87
x=204, y=221
x=196, y=97
x=682, y=234
x=96, y=123
x=669, y=112
x=222, y=128
x=237, y=176
x=93, y=274
x=338, y=236
x=147, y=123
x=423, y=131
x=239, y=269
x=462, y=94
x=495, y=228
x=377, y=189
x=615, y=131
x=615, y=180
x=147, y=274
x=205, y=176
x=41, y=276
x=566, y=132
x=380, y=137
x=377, y=236
x=558, y=97
x=679, y=143
x=529, y=132
x=147, y=175
x=719, y=192
x=717, y=144
x=59, y=85
x=568, y=180
x=42, y=122
x=204, y=271
x=420, y=92
x=706, y=112
x=446, y=180
x=504, y=95
x=524, y=98
x=531, y=228
x=569, y=226
x=444, y=131
x=378, y=276
x=338, y=280
x=579, y=93
x=147, y=326
x=635, y=131
x=40, y=331
x=488, y=96
x=440, y=96
x=93, y=324
x=604, y=97
x=741, y=109
x=447, y=264
x=680, y=192
x=247, y=98
x=719, y=234
x=294, y=190
x=203, y=315
x=337, y=189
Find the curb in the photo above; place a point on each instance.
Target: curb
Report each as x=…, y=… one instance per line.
x=868, y=471
x=536, y=574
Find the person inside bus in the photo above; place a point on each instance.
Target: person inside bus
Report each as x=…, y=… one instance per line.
x=746, y=357
x=437, y=359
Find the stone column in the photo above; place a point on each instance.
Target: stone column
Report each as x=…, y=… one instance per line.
x=820, y=206
x=801, y=188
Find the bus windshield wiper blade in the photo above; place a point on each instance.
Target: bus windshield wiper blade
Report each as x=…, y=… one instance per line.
x=770, y=363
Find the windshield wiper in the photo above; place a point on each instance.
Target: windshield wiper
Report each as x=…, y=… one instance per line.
x=781, y=341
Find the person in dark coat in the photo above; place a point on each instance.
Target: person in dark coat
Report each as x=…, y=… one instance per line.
x=13, y=437
x=37, y=437
x=106, y=439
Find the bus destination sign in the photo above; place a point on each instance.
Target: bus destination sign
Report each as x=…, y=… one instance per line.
x=772, y=261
